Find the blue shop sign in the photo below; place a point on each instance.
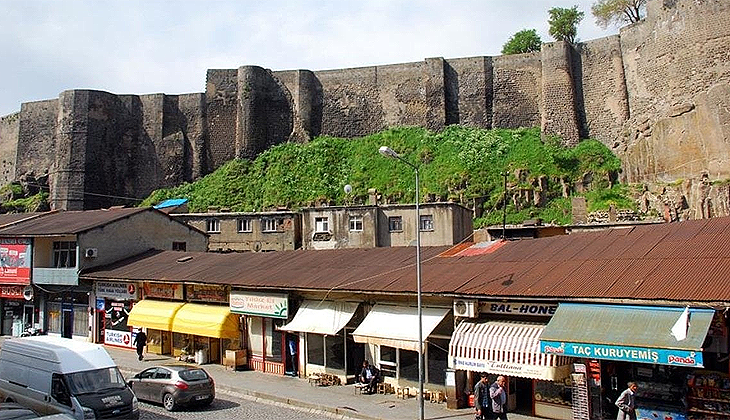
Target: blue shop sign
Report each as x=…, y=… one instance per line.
x=670, y=357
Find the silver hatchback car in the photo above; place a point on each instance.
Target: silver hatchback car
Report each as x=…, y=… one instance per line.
x=174, y=386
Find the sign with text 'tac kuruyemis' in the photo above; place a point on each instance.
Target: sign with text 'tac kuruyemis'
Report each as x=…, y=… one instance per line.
x=672, y=357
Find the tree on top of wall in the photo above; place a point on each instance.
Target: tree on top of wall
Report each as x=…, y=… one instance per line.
x=564, y=23
x=524, y=41
x=617, y=12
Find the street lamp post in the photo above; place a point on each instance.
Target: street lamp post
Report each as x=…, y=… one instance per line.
x=388, y=152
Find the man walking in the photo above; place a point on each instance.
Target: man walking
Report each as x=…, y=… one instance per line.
x=482, y=402
x=499, y=398
x=140, y=340
x=626, y=403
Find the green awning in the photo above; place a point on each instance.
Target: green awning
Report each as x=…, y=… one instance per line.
x=631, y=333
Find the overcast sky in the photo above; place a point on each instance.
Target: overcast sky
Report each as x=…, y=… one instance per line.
x=151, y=46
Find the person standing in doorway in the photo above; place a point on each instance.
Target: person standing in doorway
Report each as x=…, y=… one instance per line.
x=498, y=392
x=626, y=403
x=482, y=402
x=140, y=340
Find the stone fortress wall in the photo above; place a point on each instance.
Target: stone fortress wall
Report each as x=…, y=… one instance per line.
x=657, y=94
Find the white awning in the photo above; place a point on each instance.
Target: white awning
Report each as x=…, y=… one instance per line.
x=397, y=326
x=505, y=348
x=321, y=317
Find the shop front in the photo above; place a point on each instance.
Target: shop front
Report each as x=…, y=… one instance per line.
x=113, y=304
x=391, y=335
x=16, y=292
x=662, y=349
x=263, y=316
x=202, y=333
x=537, y=384
x=325, y=327
x=156, y=317
x=66, y=311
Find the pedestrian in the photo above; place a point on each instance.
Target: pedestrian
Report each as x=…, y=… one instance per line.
x=482, y=402
x=140, y=340
x=369, y=376
x=626, y=403
x=498, y=393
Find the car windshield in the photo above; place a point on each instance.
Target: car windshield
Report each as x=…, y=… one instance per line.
x=93, y=381
x=193, y=375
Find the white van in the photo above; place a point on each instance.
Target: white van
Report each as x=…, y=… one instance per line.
x=59, y=375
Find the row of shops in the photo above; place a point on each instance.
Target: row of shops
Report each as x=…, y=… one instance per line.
x=558, y=357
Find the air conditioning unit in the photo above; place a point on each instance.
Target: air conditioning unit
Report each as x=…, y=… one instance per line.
x=91, y=253
x=466, y=308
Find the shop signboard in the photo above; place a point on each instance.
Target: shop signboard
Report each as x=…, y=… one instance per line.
x=262, y=304
x=116, y=290
x=670, y=357
x=163, y=291
x=15, y=260
x=520, y=370
x=206, y=293
x=518, y=308
x=11, y=292
x=116, y=330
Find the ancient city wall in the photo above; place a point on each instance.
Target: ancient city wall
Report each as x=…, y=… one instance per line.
x=516, y=87
x=9, y=126
x=677, y=66
x=657, y=94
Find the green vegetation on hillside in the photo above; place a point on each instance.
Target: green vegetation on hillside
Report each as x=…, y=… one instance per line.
x=461, y=164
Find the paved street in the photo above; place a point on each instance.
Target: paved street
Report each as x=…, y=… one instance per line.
x=228, y=407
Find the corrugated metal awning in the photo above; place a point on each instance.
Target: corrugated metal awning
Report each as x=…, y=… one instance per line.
x=206, y=321
x=397, y=326
x=321, y=317
x=155, y=314
x=505, y=348
x=627, y=333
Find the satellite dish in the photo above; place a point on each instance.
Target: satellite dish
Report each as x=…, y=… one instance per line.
x=348, y=189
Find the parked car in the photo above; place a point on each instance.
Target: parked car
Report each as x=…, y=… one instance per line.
x=15, y=411
x=174, y=385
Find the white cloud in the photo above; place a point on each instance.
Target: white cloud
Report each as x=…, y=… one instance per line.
x=166, y=46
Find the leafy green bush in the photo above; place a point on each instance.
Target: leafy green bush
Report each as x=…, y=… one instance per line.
x=462, y=164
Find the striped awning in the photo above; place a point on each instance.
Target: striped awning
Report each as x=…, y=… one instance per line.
x=505, y=348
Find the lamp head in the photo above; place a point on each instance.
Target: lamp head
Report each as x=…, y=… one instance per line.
x=388, y=152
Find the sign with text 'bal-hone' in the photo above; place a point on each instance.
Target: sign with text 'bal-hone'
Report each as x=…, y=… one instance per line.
x=261, y=304
x=518, y=308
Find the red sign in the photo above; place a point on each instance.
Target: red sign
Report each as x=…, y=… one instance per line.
x=15, y=261
x=11, y=292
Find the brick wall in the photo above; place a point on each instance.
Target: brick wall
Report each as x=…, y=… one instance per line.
x=516, y=91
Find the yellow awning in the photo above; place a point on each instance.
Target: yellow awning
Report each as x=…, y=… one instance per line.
x=155, y=314
x=206, y=320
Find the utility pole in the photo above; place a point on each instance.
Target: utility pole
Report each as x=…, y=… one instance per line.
x=504, y=207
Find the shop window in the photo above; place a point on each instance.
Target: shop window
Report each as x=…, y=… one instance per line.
x=64, y=254
x=54, y=318
x=437, y=353
x=426, y=224
x=408, y=365
x=395, y=224
x=335, y=351
x=315, y=349
x=355, y=223
x=388, y=360
x=81, y=320
x=213, y=226
x=274, y=339
x=255, y=335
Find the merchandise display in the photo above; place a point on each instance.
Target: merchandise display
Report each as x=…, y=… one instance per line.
x=708, y=396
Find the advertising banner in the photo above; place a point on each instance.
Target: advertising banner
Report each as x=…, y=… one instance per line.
x=15, y=260
x=670, y=357
x=116, y=290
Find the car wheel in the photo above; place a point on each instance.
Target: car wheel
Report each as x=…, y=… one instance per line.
x=168, y=401
x=207, y=402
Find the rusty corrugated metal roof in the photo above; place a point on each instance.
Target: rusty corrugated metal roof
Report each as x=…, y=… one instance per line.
x=68, y=222
x=687, y=261
x=10, y=218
